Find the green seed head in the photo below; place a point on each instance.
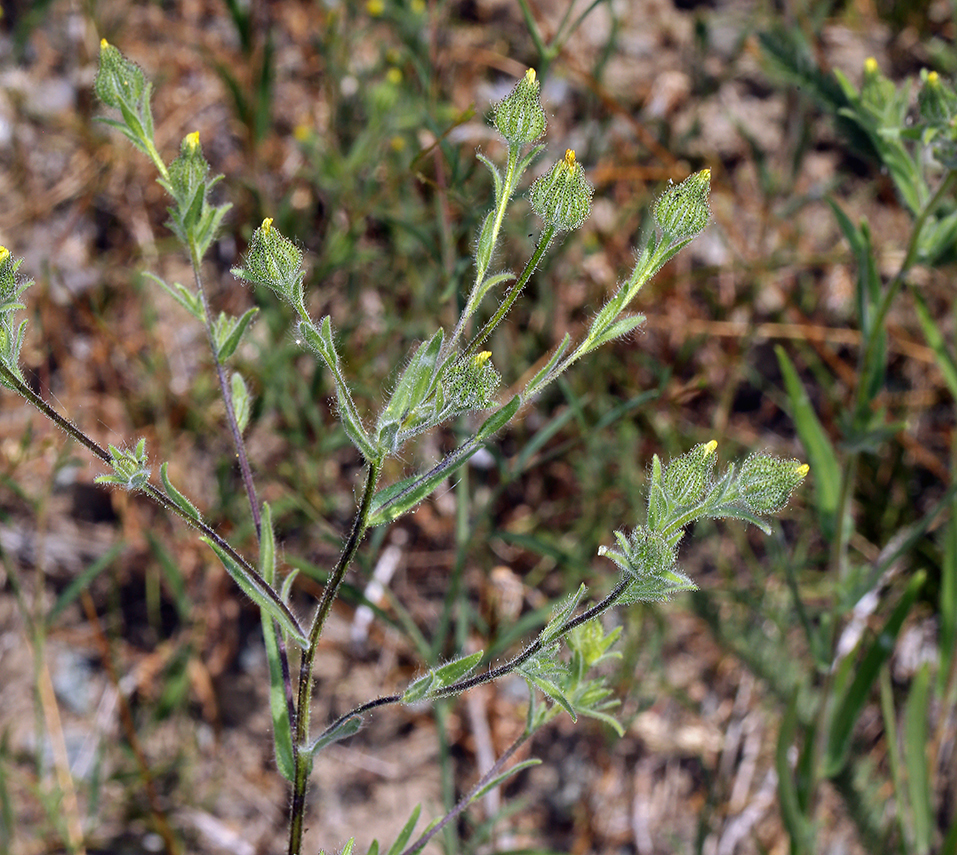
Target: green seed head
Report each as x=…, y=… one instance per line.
x=520, y=117
x=562, y=197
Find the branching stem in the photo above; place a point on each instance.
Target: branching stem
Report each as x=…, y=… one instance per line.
x=302, y=762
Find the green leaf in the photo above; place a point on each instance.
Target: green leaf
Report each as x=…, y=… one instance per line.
x=501, y=417
x=915, y=759
x=795, y=820
x=496, y=176
x=406, y=832
x=345, y=729
x=278, y=706
x=501, y=778
x=551, y=690
x=418, y=689
x=241, y=400
x=543, y=376
x=286, y=589
x=233, y=334
x=457, y=669
x=397, y=499
x=849, y=707
x=184, y=504
x=484, y=246
x=261, y=594
x=188, y=299
x=415, y=383
x=486, y=285
x=562, y=613
x=936, y=342
x=616, y=329
x=820, y=451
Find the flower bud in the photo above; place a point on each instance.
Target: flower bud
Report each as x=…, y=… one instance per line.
x=118, y=81
x=272, y=260
x=877, y=92
x=562, y=197
x=189, y=170
x=682, y=210
x=471, y=383
x=765, y=483
x=686, y=477
x=520, y=117
x=937, y=102
x=11, y=285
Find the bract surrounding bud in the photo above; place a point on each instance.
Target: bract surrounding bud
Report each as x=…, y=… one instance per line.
x=272, y=260
x=189, y=170
x=562, y=197
x=766, y=483
x=118, y=81
x=520, y=117
x=682, y=210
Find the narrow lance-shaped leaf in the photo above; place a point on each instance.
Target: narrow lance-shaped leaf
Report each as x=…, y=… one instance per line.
x=563, y=613
x=184, y=504
x=915, y=759
x=848, y=709
x=344, y=729
x=261, y=594
x=233, y=334
x=823, y=460
x=406, y=832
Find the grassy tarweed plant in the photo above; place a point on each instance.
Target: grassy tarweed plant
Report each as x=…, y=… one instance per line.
x=448, y=377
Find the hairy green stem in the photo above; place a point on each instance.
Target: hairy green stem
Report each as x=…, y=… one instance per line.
x=302, y=762
x=469, y=797
x=544, y=241
x=508, y=189
x=495, y=673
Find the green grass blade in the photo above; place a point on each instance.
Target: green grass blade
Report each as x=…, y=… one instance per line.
x=915, y=760
x=820, y=451
x=81, y=583
x=852, y=702
x=795, y=821
x=935, y=340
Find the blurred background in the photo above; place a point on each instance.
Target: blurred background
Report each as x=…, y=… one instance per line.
x=803, y=700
